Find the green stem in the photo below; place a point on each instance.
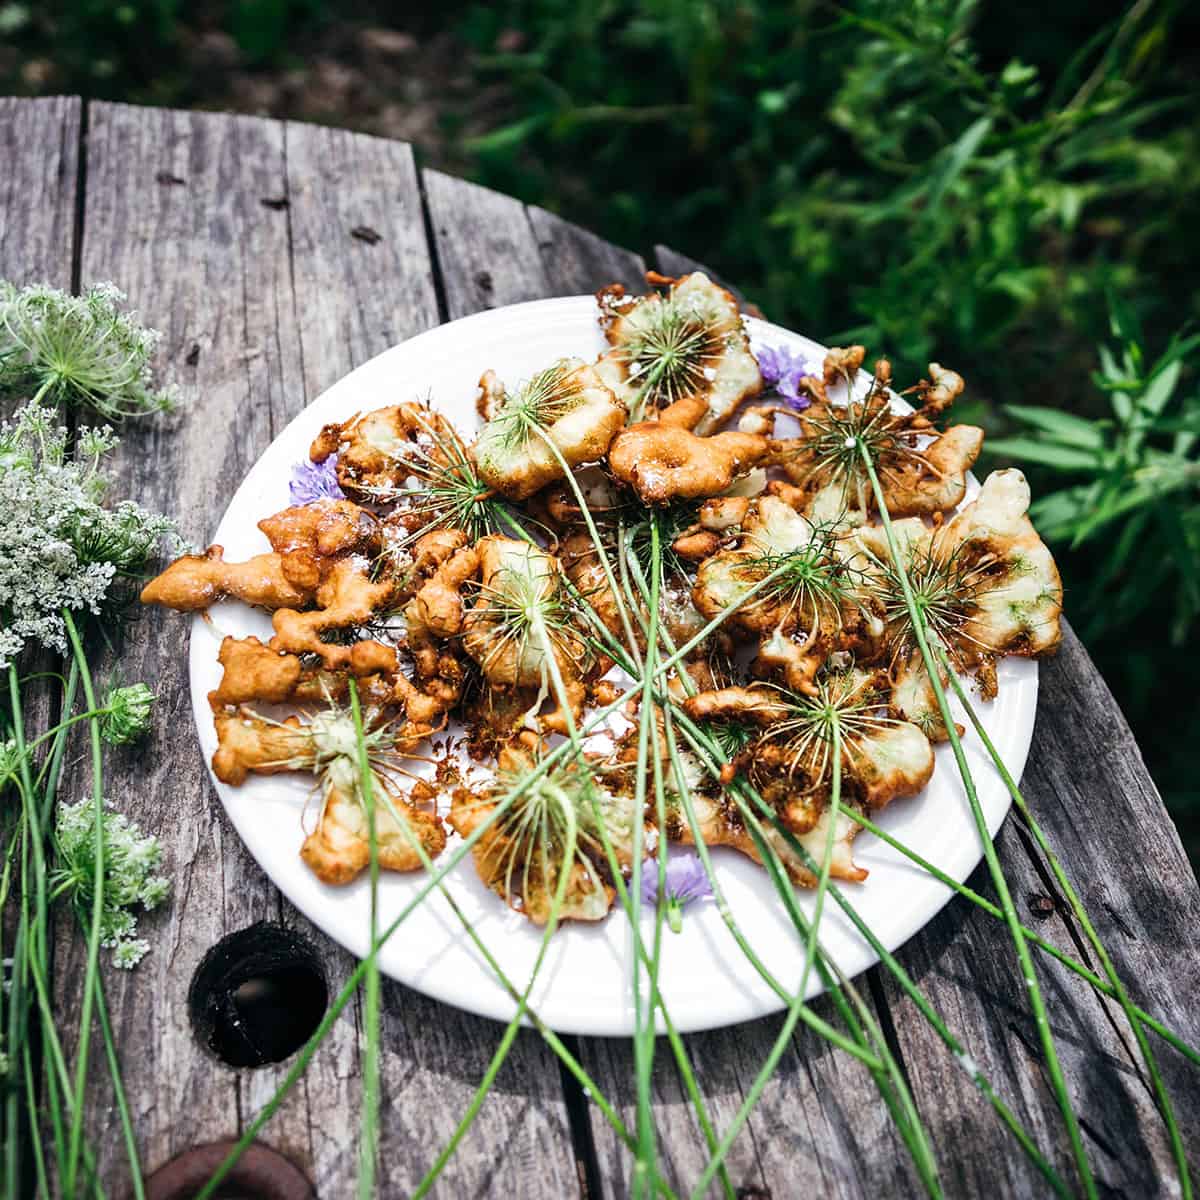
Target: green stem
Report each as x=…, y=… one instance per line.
x=1118, y=988
x=1036, y=1001
x=93, y=954
x=368, y=1151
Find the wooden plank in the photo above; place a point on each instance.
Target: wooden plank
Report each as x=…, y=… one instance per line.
x=356, y=296
x=486, y=251
x=262, y=303
x=39, y=146
x=1086, y=783
x=575, y=260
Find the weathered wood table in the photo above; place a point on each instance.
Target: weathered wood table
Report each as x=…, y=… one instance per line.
x=275, y=257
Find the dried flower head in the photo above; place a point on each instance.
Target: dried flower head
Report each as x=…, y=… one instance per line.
x=78, y=351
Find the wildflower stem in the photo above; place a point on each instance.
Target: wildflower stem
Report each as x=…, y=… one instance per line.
x=1102, y=985
x=1060, y=875
x=1037, y=1003
x=368, y=1150
x=93, y=952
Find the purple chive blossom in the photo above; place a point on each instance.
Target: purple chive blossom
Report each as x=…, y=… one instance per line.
x=782, y=369
x=686, y=881
x=315, y=481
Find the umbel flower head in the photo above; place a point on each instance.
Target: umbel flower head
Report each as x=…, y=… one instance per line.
x=60, y=546
x=78, y=351
x=130, y=862
x=128, y=715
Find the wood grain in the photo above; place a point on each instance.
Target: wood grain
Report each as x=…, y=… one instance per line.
x=39, y=147
x=262, y=304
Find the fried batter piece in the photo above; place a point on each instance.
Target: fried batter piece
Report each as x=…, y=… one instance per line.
x=663, y=462
x=347, y=599
x=376, y=450
x=567, y=405
x=916, y=480
x=310, y=538
x=197, y=581
x=688, y=343
x=519, y=630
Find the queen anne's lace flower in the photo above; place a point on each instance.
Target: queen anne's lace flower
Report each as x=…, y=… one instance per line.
x=130, y=861
x=78, y=350
x=60, y=547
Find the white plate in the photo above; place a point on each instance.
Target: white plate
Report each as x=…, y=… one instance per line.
x=584, y=986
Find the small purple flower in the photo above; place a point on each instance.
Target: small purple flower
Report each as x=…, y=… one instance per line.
x=686, y=881
x=315, y=481
x=782, y=369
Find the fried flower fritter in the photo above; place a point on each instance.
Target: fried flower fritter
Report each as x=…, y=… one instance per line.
x=986, y=582
x=376, y=450
x=773, y=577
x=689, y=343
x=520, y=630
x=916, y=480
x=564, y=414
x=197, y=581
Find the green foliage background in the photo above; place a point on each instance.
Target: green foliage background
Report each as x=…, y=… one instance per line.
x=1011, y=189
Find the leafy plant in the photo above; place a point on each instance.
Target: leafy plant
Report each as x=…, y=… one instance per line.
x=1130, y=482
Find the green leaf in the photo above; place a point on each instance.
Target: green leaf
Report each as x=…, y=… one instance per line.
x=956, y=159
x=1049, y=455
x=507, y=137
x=1066, y=427
x=1158, y=391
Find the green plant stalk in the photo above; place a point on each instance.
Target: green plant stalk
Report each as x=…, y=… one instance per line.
x=660, y=855
x=304, y=1057
x=981, y=1081
x=789, y=1024
x=1037, y=1003
x=368, y=1149
x=1101, y=985
x=510, y=1034
x=1122, y=996
x=886, y=1072
x=39, y=1164
x=514, y=1026
x=810, y=1018
x=93, y=955
x=910, y=988
x=645, y=1164
x=114, y=1070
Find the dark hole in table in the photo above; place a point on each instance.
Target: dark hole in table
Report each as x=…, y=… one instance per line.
x=258, y=995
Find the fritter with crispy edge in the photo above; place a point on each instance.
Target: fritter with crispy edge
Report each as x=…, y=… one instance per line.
x=689, y=343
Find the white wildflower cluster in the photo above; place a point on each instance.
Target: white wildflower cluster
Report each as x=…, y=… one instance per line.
x=130, y=862
x=78, y=350
x=60, y=547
